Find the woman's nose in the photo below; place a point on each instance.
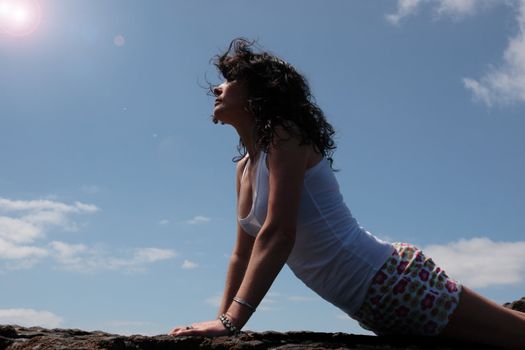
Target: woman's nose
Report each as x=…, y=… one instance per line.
x=217, y=90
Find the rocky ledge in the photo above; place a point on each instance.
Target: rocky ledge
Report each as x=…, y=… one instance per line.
x=36, y=338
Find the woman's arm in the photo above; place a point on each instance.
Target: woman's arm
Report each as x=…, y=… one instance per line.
x=274, y=242
x=287, y=165
x=240, y=255
x=236, y=268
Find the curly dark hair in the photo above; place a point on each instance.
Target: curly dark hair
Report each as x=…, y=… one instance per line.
x=278, y=95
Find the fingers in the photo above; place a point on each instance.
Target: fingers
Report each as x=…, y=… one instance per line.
x=209, y=328
x=186, y=330
x=176, y=330
x=173, y=331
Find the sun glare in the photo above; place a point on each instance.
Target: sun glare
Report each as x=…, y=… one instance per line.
x=19, y=17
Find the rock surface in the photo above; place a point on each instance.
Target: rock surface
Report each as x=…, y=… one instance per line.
x=516, y=305
x=35, y=338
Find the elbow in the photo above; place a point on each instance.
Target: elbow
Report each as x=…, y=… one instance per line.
x=278, y=238
x=289, y=238
x=237, y=258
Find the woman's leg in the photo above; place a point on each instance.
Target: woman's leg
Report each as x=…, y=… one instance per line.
x=479, y=319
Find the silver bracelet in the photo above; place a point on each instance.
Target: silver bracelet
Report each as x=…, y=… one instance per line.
x=242, y=302
x=228, y=324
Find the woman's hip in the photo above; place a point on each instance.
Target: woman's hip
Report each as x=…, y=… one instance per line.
x=409, y=294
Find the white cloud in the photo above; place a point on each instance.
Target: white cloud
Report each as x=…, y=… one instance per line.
x=404, y=8
x=149, y=255
x=506, y=83
x=12, y=251
x=268, y=301
x=266, y=304
x=164, y=222
x=45, y=217
x=503, y=83
x=29, y=318
x=458, y=8
x=481, y=92
x=81, y=258
x=85, y=208
x=90, y=189
x=198, y=220
x=298, y=298
x=214, y=301
x=18, y=230
x=343, y=317
x=454, y=9
x=22, y=223
x=26, y=221
x=480, y=262
x=41, y=204
x=68, y=254
x=188, y=265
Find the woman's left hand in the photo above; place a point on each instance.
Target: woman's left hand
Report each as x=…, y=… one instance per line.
x=207, y=329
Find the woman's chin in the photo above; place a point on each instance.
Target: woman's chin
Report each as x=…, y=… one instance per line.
x=218, y=116
x=217, y=120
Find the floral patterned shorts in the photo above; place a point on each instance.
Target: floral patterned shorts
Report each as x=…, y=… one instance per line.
x=409, y=295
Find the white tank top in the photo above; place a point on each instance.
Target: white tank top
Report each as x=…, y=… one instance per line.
x=332, y=254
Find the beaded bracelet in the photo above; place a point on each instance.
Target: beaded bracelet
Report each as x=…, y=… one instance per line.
x=245, y=303
x=228, y=324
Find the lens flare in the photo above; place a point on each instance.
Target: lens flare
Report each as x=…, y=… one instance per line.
x=19, y=17
x=119, y=40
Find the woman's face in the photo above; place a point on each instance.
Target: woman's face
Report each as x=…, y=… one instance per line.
x=231, y=101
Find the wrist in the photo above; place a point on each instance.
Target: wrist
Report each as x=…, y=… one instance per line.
x=239, y=314
x=228, y=323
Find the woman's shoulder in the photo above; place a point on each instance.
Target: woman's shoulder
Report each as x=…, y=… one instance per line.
x=241, y=164
x=289, y=138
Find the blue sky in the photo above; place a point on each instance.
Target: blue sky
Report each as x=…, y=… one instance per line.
x=117, y=196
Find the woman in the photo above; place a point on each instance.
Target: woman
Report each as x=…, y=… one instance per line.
x=290, y=211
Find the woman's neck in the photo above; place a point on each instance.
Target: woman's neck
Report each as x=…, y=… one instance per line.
x=247, y=136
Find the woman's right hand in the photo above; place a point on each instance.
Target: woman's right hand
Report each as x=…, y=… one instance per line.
x=212, y=328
